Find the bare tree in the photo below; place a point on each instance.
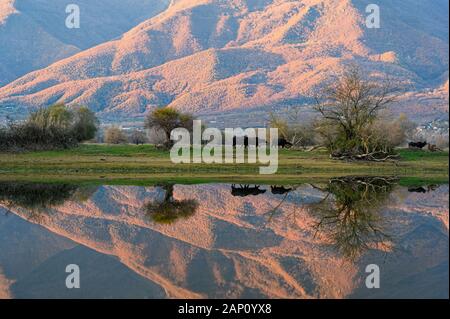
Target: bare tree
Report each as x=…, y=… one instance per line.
x=350, y=215
x=348, y=109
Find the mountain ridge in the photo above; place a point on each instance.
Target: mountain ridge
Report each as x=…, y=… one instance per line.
x=34, y=32
x=267, y=53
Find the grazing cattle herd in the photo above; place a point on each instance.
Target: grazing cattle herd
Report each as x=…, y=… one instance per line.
x=245, y=141
x=418, y=145
x=284, y=143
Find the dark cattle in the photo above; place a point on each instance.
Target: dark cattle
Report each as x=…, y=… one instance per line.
x=246, y=142
x=283, y=143
x=246, y=190
x=280, y=190
x=419, y=145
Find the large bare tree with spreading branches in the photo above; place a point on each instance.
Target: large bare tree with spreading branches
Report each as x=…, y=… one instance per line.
x=348, y=109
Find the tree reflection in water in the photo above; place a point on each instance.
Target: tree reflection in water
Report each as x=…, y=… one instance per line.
x=37, y=198
x=350, y=214
x=170, y=209
x=285, y=191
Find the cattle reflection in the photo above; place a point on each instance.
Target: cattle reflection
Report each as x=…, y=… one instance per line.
x=280, y=190
x=246, y=190
x=423, y=189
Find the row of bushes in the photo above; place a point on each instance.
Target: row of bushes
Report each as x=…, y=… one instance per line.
x=56, y=127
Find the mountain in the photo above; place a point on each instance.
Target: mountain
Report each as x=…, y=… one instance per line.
x=33, y=261
x=216, y=56
x=235, y=247
x=33, y=33
x=24, y=246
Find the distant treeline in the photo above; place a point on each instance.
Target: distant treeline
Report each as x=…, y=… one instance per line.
x=55, y=127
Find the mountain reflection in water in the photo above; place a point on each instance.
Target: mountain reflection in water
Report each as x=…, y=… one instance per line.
x=229, y=241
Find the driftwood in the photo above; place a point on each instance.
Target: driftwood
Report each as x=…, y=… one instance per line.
x=377, y=156
x=313, y=148
x=433, y=148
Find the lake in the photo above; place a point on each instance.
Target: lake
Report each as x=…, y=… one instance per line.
x=311, y=240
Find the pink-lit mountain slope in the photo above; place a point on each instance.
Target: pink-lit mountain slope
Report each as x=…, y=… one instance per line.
x=33, y=33
x=209, y=56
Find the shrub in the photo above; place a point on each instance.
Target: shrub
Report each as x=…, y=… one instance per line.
x=86, y=124
x=55, y=127
x=114, y=135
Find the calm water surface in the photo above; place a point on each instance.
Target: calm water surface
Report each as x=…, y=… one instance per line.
x=225, y=241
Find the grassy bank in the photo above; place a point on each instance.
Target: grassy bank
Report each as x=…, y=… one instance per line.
x=145, y=164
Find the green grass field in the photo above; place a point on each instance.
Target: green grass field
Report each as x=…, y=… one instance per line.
x=146, y=164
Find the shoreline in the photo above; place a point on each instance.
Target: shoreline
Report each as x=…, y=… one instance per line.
x=144, y=164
